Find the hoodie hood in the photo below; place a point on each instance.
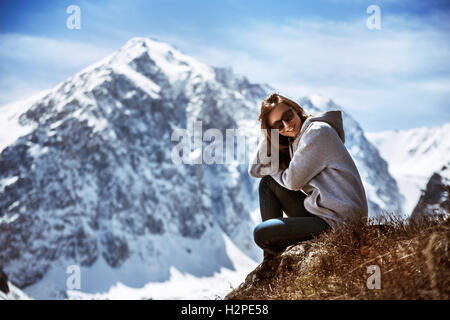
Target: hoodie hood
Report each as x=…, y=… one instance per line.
x=333, y=118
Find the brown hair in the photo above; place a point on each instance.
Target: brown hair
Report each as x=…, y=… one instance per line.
x=267, y=106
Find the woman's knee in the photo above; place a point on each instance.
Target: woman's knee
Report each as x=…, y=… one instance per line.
x=258, y=234
x=264, y=232
x=265, y=183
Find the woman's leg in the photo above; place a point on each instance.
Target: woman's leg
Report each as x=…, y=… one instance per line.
x=275, y=233
x=274, y=199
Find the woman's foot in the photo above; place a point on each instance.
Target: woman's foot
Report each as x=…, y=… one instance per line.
x=267, y=269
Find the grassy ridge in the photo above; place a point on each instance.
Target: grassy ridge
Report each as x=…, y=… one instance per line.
x=412, y=260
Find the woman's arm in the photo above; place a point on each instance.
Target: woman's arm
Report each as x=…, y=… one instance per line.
x=319, y=145
x=262, y=163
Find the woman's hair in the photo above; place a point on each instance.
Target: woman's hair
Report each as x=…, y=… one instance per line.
x=266, y=107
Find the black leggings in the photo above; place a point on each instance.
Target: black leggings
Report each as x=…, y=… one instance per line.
x=276, y=233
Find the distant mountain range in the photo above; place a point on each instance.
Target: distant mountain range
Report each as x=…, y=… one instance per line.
x=86, y=176
x=413, y=156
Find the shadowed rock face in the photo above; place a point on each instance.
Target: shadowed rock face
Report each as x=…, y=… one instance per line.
x=3, y=282
x=296, y=256
x=435, y=198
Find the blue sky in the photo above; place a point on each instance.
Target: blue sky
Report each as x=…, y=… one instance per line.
x=397, y=77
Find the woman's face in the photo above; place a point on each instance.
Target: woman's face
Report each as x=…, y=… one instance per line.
x=291, y=127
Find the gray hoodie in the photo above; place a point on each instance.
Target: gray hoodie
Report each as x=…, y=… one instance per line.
x=322, y=167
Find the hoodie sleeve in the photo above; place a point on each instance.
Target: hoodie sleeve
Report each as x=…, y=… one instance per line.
x=261, y=165
x=319, y=145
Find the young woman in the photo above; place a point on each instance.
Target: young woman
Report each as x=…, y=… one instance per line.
x=315, y=181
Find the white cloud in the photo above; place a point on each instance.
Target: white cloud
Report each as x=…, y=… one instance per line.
x=400, y=68
x=53, y=61
x=337, y=51
x=60, y=53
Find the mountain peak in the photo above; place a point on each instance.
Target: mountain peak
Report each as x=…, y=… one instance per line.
x=176, y=65
x=140, y=44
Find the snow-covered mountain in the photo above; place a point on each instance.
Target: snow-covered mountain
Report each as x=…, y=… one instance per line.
x=413, y=156
x=87, y=178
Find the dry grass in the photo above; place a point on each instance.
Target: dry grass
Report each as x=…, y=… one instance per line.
x=413, y=259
